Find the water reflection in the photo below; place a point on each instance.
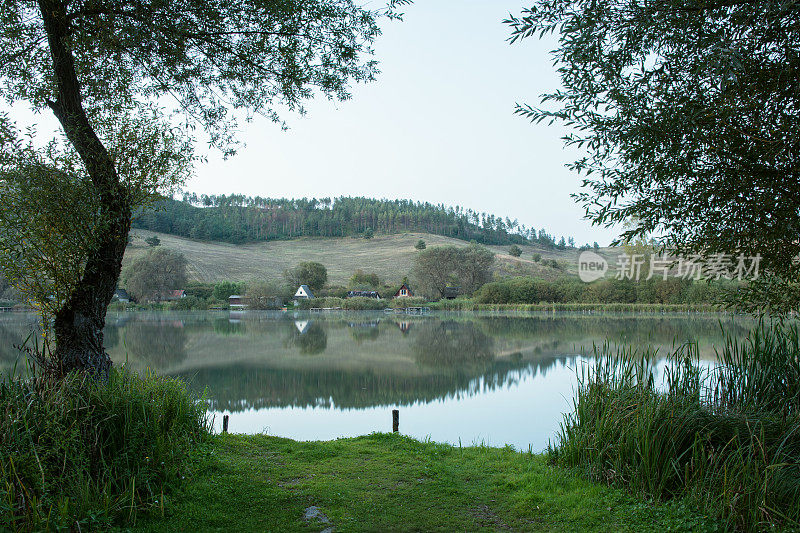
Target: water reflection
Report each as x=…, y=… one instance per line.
x=308, y=336
x=158, y=344
x=455, y=375
x=451, y=343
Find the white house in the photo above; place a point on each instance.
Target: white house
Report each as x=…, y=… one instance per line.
x=303, y=292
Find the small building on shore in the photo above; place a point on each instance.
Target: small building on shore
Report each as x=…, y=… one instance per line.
x=404, y=292
x=303, y=293
x=175, y=295
x=364, y=294
x=121, y=295
x=237, y=301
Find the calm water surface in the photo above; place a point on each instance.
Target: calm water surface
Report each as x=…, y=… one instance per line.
x=492, y=378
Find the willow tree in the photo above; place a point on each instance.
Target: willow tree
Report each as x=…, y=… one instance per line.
x=688, y=111
x=129, y=82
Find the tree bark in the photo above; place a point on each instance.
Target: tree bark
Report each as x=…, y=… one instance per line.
x=80, y=321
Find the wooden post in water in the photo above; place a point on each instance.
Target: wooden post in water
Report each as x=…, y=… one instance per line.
x=225, y=424
x=395, y=420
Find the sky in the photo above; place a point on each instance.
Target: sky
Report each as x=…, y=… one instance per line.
x=437, y=126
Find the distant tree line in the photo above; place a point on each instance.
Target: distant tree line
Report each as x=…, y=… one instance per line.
x=239, y=219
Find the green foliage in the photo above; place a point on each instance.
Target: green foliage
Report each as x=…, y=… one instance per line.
x=527, y=290
x=154, y=275
x=82, y=454
x=50, y=216
x=361, y=278
x=47, y=217
x=688, y=113
x=728, y=437
x=190, y=303
x=193, y=54
x=420, y=245
x=239, y=219
x=153, y=241
x=266, y=295
x=199, y=290
x=310, y=273
x=369, y=233
x=352, y=304
x=537, y=257
x=439, y=267
x=225, y=289
x=515, y=251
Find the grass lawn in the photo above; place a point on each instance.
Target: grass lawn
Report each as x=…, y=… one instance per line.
x=385, y=482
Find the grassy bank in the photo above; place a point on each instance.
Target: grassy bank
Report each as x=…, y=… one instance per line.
x=80, y=455
x=727, y=438
x=392, y=483
x=464, y=304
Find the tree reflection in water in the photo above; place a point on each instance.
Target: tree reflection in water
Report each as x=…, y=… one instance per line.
x=449, y=343
x=258, y=359
x=160, y=344
x=309, y=336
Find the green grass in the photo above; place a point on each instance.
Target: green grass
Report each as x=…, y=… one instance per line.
x=728, y=437
x=78, y=454
x=385, y=482
x=389, y=256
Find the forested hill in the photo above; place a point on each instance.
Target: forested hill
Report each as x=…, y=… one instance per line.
x=240, y=219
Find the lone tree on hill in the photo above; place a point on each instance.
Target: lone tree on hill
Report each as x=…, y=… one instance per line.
x=515, y=251
x=310, y=273
x=441, y=266
x=689, y=112
x=103, y=68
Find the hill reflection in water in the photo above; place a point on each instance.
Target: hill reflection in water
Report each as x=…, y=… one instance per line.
x=310, y=368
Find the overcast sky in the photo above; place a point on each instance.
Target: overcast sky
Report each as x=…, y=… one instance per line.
x=437, y=126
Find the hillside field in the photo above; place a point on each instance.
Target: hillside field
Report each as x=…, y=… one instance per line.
x=389, y=256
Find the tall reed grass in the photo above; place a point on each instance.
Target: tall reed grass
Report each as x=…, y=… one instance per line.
x=727, y=436
x=80, y=454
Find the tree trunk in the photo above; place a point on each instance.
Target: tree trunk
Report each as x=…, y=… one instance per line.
x=79, y=323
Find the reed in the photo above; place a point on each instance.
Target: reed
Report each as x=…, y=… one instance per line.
x=80, y=454
x=727, y=437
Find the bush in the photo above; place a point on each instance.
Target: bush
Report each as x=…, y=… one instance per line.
x=362, y=279
x=729, y=437
x=515, y=251
x=352, y=304
x=79, y=454
x=224, y=289
x=407, y=302
x=189, y=303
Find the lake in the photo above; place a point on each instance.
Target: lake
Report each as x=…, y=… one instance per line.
x=493, y=378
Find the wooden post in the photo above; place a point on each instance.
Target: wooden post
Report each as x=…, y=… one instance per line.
x=225, y=424
x=395, y=420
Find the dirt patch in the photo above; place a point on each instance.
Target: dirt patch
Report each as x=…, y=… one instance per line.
x=489, y=518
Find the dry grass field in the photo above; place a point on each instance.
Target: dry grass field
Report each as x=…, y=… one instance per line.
x=389, y=256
